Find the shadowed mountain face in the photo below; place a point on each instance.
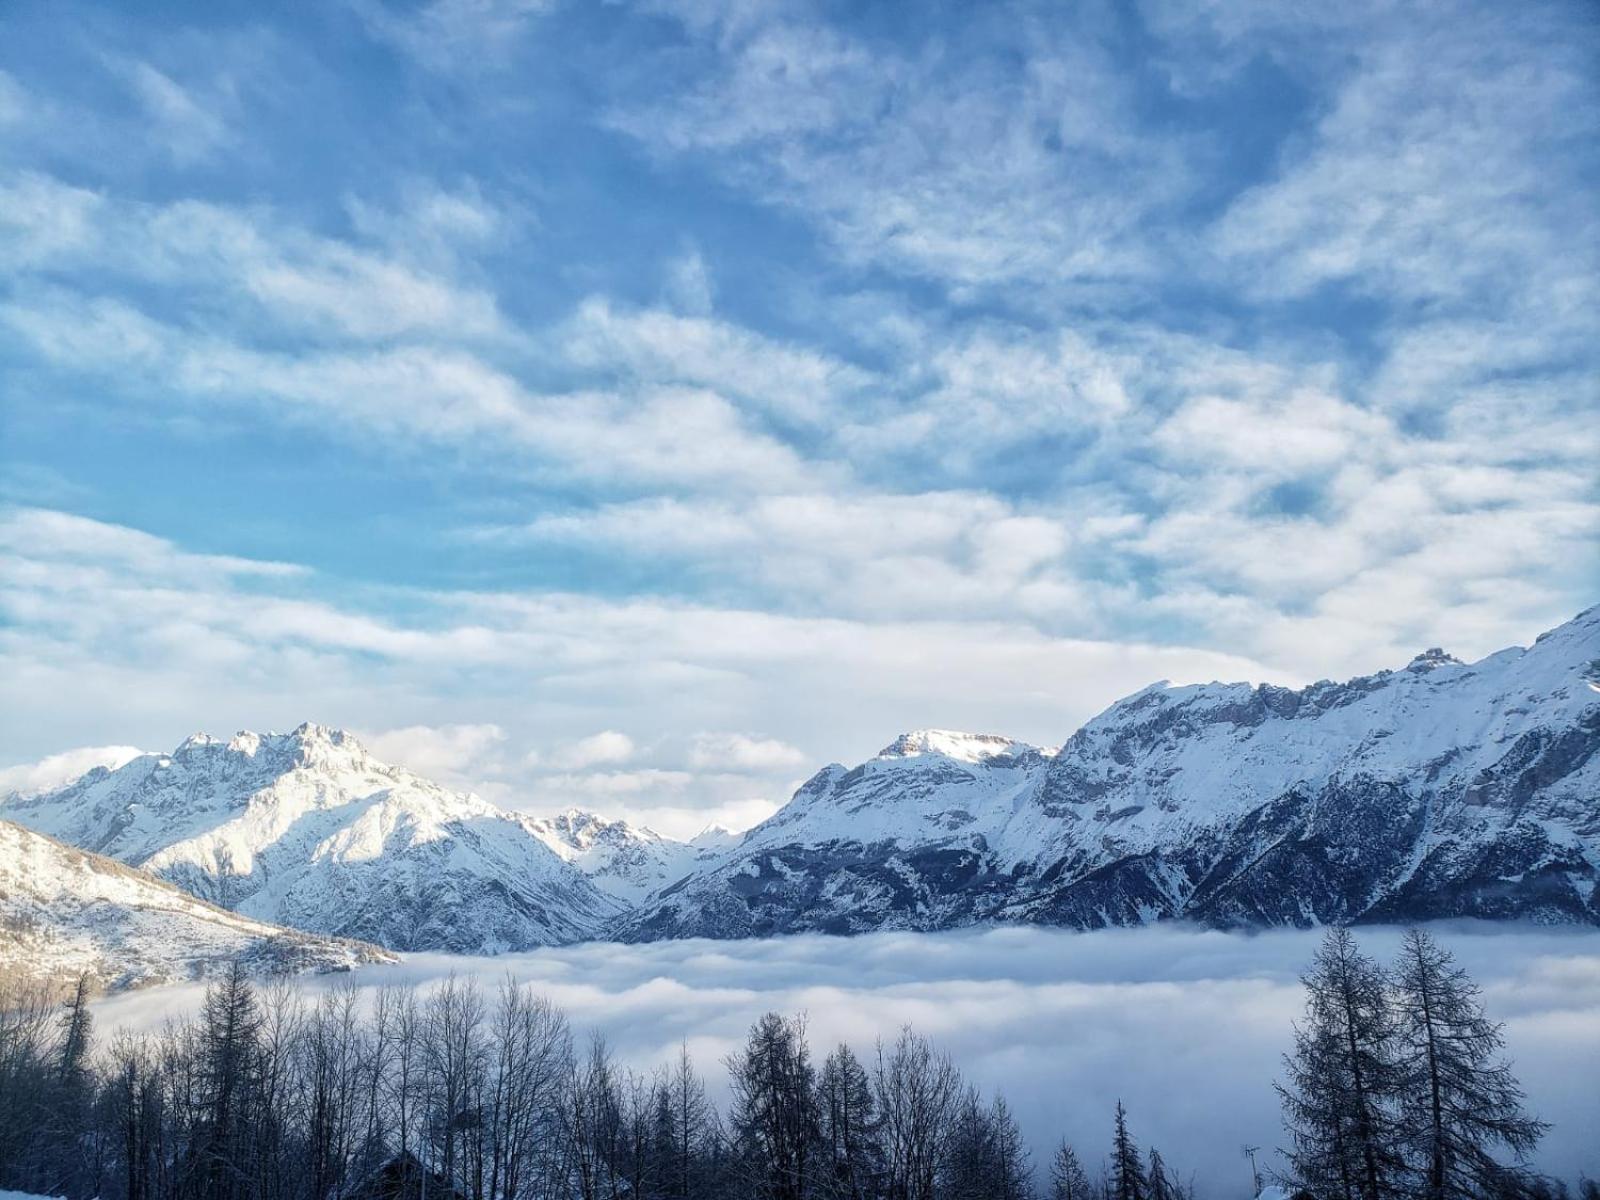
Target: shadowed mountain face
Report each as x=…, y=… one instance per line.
x=1444, y=789
x=1441, y=790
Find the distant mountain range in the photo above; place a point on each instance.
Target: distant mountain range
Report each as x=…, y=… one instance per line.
x=1443, y=789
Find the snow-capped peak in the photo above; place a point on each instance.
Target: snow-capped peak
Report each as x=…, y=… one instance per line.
x=1432, y=658
x=964, y=747
x=308, y=829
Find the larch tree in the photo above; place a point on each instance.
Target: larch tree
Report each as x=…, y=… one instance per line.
x=847, y=1124
x=1343, y=1079
x=1460, y=1102
x=1067, y=1178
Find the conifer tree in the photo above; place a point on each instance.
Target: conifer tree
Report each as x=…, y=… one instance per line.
x=774, y=1115
x=1013, y=1170
x=1067, y=1178
x=1161, y=1187
x=1128, y=1180
x=1340, y=1099
x=847, y=1123
x=1459, y=1100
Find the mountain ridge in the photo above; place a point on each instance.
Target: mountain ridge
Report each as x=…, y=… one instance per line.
x=1442, y=788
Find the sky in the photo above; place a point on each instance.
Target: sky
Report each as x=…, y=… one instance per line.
x=1187, y=1027
x=638, y=405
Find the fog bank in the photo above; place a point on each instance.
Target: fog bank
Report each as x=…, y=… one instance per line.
x=1186, y=1026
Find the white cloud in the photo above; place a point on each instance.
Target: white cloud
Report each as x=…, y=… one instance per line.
x=445, y=753
x=1428, y=177
x=1186, y=1027
x=598, y=749
x=243, y=258
x=58, y=770
x=742, y=752
x=94, y=613
x=13, y=100
x=689, y=285
x=189, y=129
x=663, y=347
x=444, y=35
x=1017, y=160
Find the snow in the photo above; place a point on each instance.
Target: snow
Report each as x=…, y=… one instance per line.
x=1167, y=791
x=64, y=911
x=308, y=829
x=1169, y=775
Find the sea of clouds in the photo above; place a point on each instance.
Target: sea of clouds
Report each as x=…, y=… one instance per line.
x=1186, y=1026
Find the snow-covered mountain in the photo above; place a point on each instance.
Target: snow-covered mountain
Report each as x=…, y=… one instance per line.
x=307, y=829
x=629, y=862
x=1443, y=789
x=64, y=911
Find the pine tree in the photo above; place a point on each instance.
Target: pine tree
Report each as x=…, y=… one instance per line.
x=1459, y=1100
x=1067, y=1178
x=1127, y=1172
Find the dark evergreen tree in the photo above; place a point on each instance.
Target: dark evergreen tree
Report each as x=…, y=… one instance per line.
x=1344, y=1080
x=1127, y=1180
x=1459, y=1101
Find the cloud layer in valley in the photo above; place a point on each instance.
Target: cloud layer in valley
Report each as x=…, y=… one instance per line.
x=1187, y=1027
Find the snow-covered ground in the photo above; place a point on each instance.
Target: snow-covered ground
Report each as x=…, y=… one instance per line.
x=1186, y=1026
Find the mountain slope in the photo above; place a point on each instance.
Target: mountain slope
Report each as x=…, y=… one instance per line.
x=64, y=911
x=307, y=829
x=1443, y=789
x=628, y=862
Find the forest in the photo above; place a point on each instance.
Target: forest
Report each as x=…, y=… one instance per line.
x=1395, y=1086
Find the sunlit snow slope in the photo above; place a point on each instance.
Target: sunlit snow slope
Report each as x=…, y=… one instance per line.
x=308, y=829
x=64, y=911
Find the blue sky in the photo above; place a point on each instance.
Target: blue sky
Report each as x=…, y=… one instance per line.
x=639, y=405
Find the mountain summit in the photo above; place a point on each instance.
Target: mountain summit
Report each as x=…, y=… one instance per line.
x=308, y=829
